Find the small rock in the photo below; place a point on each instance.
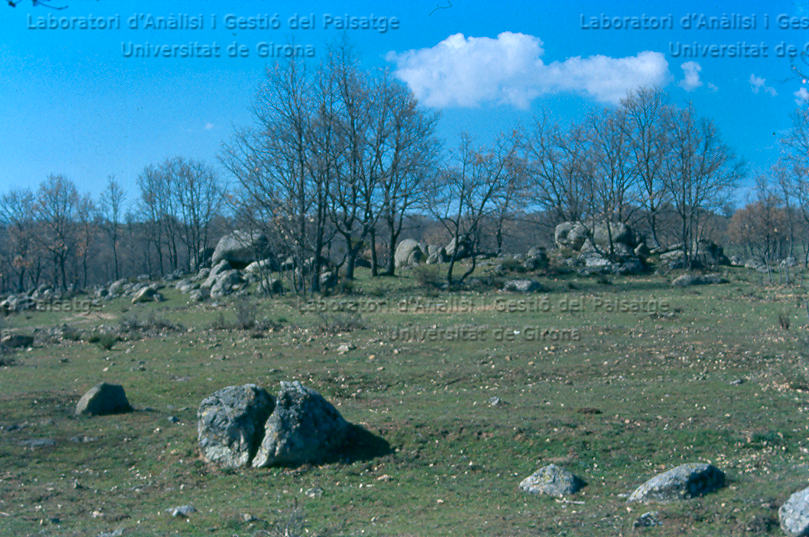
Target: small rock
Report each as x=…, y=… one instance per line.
x=647, y=520
x=314, y=492
x=736, y=382
x=182, y=511
x=553, y=481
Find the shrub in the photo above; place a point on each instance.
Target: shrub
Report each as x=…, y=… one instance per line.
x=335, y=324
x=104, y=340
x=247, y=313
x=428, y=276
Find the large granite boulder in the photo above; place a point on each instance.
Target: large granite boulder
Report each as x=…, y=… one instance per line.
x=103, y=399
x=241, y=248
x=684, y=482
x=231, y=424
x=794, y=514
x=303, y=428
x=460, y=249
x=571, y=235
x=408, y=253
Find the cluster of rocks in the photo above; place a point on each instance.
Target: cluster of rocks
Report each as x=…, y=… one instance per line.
x=602, y=248
x=704, y=253
x=684, y=482
x=410, y=252
x=245, y=426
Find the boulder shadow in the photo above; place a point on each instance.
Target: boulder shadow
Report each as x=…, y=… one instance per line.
x=361, y=445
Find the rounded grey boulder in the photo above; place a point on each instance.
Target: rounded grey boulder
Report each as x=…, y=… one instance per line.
x=303, y=428
x=684, y=482
x=553, y=481
x=103, y=399
x=794, y=514
x=230, y=426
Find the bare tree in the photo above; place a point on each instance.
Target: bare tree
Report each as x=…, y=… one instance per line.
x=111, y=206
x=17, y=214
x=56, y=210
x=700, y=173
x=560, y=167
x=645, y=112
x=466, y=195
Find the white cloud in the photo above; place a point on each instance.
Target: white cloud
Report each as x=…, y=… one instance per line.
x=802, y=96
x=208, y=126
x=757, y=83
x=691, y=80
x=466, y=72
x=712, y=88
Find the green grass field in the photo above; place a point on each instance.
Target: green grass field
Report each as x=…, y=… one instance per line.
x=468, y=393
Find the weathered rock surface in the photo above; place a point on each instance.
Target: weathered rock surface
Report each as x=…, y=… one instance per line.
x=687, y=280
x=553, y=481
x=464, y=249
x=147, y=294
x=409, y=253
x=570, y=235
x=304, y=427
x=241, y=248
x=231, y=424
x=103, y=399
x=684, y=482
x=522, y=286
x=794, y=514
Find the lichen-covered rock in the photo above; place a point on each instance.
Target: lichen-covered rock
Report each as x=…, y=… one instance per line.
x=794, y=514
x=230, y=426
x=553, y=481
x=103, y=399
x=684, y=482
x=303, y=428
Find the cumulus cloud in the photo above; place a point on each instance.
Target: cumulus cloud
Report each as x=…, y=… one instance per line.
x=208, y=126
x=712, y=88
x=691, y=80
x=757, y=83
x=802, y=96
x=468, y=71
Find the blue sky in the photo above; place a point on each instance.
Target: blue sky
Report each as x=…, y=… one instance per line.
x=75, y=104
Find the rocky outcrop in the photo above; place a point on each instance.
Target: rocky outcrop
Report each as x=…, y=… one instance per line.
x=241, y=248
x=408, y=253
x=522, y=286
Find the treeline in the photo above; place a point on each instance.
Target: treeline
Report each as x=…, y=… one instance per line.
x=342, y=163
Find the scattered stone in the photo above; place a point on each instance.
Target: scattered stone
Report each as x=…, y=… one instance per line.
x=103, y=399
x=495, y=401
x=647, y=520
x=522, y=286
x=794, y=514
x=314, y=492
x=303, y=428
x=687, y=280
x=344, y=348
x=231, y=422
x=684, y=482
x=38, y=442
x=182, y=511
x=553, y=481
x=16, y=341
x=737, y=382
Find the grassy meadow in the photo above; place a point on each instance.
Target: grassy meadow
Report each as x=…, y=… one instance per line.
x=615, y=379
